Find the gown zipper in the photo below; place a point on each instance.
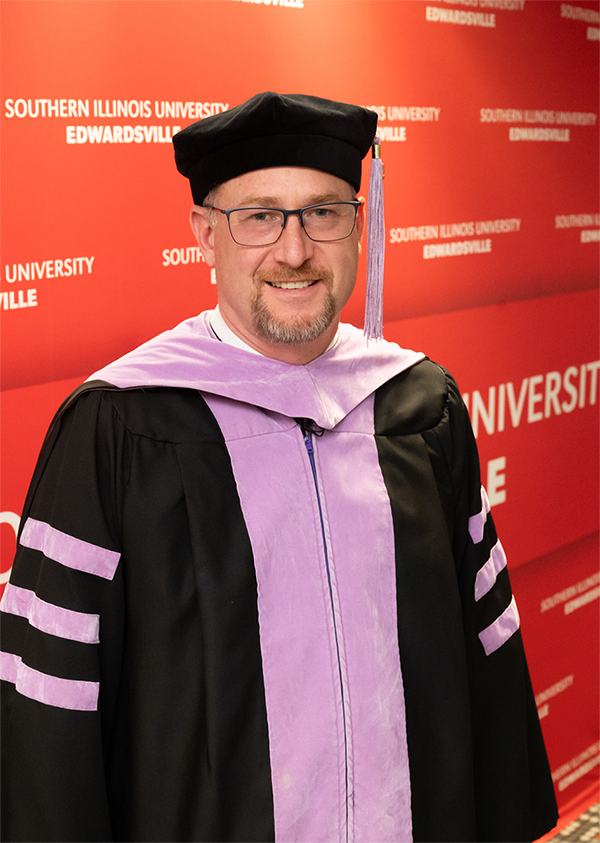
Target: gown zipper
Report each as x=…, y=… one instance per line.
x=308, y=427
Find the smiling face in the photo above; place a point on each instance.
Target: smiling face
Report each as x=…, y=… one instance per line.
x=284, y=300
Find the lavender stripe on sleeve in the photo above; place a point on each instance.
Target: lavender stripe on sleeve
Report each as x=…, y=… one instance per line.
x=55, y=620
x=73, y=694
x=70, y=551
x=9, y=667
x=477, y=522
x=486, y=575
x=498, y=632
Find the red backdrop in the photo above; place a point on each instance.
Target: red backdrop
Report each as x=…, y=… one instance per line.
x=488, y=110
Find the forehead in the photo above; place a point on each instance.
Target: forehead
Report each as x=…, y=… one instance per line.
x=285, y=187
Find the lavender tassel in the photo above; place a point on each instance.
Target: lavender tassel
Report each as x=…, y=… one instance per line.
x=373, y=328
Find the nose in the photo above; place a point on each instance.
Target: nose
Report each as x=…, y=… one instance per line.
x=294, y=246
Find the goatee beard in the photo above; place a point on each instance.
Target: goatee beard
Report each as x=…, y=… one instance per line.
x=297, y=329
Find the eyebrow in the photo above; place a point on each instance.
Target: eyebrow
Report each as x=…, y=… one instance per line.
x=273, y=202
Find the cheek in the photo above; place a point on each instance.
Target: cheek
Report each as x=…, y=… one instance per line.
x=346, y=278
x=349, y=264
x=236, y=267
x=348, y=272
x=226, y=251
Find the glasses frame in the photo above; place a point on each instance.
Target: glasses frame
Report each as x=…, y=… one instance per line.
x=298, y=212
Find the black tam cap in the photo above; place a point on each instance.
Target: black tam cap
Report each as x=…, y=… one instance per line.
x=275, y=130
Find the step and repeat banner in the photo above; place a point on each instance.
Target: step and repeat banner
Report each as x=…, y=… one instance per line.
x=488, y=114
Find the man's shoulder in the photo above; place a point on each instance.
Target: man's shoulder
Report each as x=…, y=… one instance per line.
x=417, y=399
x=162, y=413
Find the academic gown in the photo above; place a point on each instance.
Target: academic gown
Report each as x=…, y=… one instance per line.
x=255, y=602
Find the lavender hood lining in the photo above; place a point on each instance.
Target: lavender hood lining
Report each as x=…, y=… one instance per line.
x=325, y=390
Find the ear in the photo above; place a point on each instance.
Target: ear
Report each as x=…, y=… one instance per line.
x=360, y=222
x=204, y=233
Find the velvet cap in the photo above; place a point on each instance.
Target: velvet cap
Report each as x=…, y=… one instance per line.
x=275, y=130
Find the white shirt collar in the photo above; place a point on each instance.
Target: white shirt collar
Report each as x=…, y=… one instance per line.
x=224, y=333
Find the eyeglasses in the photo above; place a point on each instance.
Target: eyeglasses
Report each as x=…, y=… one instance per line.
x=264, y=226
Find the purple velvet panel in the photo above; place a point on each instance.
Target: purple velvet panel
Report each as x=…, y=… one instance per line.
x=477, y=522
x=64, y=623
x=329, y=644
x=487, y=574
x=498, y=632
x=68, y=550
x=51, y=690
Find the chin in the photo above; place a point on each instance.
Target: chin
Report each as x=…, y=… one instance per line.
x=294, y=330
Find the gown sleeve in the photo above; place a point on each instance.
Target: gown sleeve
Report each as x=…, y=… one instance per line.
x=62, y=618
x=514, y=794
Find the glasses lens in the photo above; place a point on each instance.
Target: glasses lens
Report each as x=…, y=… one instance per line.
x=255, y=226
x=333, y=221
x=263, y=226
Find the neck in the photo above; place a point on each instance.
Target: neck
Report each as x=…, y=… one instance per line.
x=296, y=354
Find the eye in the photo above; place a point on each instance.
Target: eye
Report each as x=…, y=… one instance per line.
x=257, y=216
x=321, y=213
x=265, y=215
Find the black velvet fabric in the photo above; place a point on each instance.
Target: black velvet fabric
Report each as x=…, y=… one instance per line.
x=275, y=130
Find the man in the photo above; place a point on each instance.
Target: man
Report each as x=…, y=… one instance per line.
x=259, y=594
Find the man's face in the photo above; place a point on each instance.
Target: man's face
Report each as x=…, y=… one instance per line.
x=292, y=324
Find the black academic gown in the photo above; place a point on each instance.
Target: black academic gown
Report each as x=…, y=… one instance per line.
x=177, y=746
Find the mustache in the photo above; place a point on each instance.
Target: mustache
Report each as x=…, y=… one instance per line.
x=291, y=273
